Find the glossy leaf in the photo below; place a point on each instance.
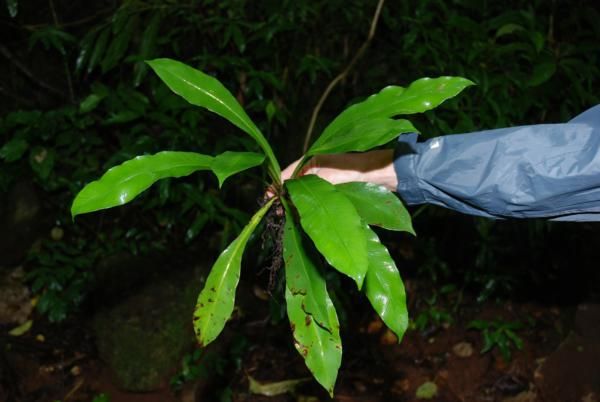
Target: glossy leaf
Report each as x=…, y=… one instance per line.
x=216, y=301
x=333, y=224
x=377, y=206
x=229, y=163
x=422, y=95
x=364, y=135
x=124, y=182
x=203, y=90
x=312, y=316
x=384, y=287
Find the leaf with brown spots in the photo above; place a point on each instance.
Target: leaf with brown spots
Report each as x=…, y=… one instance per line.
x=311, y=312
x=216, y=301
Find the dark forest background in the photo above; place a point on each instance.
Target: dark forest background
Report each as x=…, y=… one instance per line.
x=76, y=98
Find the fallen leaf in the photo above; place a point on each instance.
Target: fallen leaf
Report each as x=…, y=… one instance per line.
x=274, y=388
x=21, y=329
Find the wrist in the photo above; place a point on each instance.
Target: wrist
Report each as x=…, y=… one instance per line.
x=379, y=169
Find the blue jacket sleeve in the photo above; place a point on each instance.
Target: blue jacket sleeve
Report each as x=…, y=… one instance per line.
x=540, y=171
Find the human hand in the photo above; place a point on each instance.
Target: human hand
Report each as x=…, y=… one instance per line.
x=373, y=167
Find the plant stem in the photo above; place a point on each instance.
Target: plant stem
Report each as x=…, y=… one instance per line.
x=342, y=75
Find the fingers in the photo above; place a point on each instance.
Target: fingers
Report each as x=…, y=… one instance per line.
x=286, y=174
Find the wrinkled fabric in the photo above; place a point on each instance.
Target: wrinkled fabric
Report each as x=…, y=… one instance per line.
x=540, y=171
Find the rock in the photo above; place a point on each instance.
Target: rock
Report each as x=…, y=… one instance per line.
x=571, y=372
x=587, y=320
x=374, y=326
x=591, y=397
x=19, y=221
x=388, y=338
x=401, y=386
x=525, y=396
x=143, y=338
x=57, y=233
x=463, y=349
x=15, y=298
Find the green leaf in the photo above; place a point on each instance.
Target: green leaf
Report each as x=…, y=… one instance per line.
x=99, y=49
x=384, y=287
x=541, y=73
x=508, y=29
x=146, y=48
x=313, y=318
x=538, y=40
x=86, y=46
x=41, y=161
x=377, y=206
x=203, y=90
x=333, y=224
x=13, y=149
x=364, y=135
x=229, y=163
x=216, y=301
x=124, y=182
x=427, y=390
x=13, y=8
x=119, y=45
x=90, y=103
x=422, y=95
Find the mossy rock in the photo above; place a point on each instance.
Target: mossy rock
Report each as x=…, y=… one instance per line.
x=143, y=338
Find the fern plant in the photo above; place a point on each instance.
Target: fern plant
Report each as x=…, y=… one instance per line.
x=336, y=218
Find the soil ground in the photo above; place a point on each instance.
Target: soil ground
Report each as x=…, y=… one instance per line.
x=559, y=359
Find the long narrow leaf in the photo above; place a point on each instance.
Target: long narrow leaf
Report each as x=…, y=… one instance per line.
x=364, y=135
x=216, y=301
x=422, y=95
x=384, y=287
x=124, y=182
x=377, y=206
x=203, y=90
x=333, y=224
x=312, y=316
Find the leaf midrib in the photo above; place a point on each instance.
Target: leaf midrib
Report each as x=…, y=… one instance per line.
x=321, y=206
x=308, y=277
x=239, y=241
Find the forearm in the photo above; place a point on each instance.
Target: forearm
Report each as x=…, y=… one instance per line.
x=550, y=171
x=373, y=167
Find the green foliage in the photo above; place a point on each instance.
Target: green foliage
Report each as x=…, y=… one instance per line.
x=313, y=318
x=215, y=303
x=101, y=398
x=339, y=230
x=377, y=206
x=203, y=90
x=61, y=277
x=499, y=334
x=384, y=287
x=276, y=57
x=333, y=224
x=368, y=124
